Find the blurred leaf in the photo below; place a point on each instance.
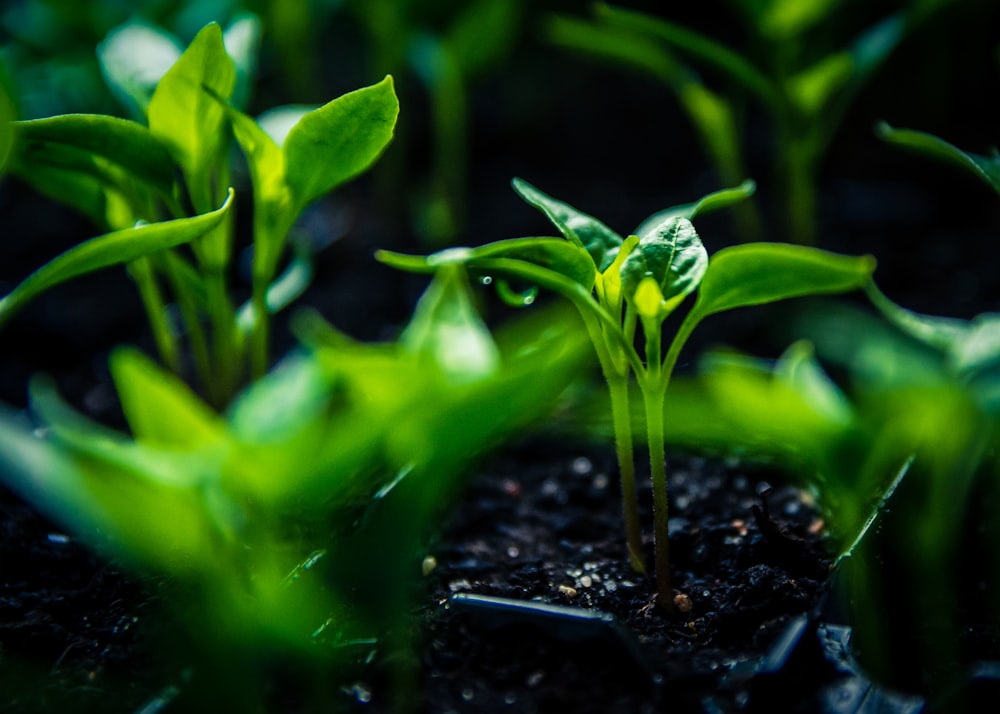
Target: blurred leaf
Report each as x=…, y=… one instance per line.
x=812, y=87
x=577, y=227
x=482, y=32
x=133, y=58
x=987, y=168
x=782, y=20
x=447, y=332
x=160, y=408
x=109, y=249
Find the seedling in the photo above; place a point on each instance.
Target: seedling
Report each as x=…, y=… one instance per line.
x=620, y=284
x=292, y=521
x=804, y=97
x=144, y=182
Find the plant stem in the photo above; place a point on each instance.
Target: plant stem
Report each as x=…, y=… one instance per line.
x=261, y=330
x=227, y=359
x=141, y=270
x=654, y=398
x=622, y=420
x=189, y=313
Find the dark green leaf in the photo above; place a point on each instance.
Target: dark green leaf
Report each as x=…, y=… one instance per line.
x=338, y=141
x=987, y=168
x=77, y=140
x=577, y=227
x=759, y=273
x=706, y=204
x=110, y=249
x=672, y=255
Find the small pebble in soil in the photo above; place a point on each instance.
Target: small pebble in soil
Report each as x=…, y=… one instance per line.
x=569, y=592
x=428, y=565
x=682, y=602
x=582, y=466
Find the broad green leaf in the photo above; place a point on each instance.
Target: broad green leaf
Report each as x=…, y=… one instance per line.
x=713, y=53
x=706, y=204
x=579, y=228
x=759, y=273
x=185, y=116
x=800, y=370
x=160, y=408
x=987, y=168
x=110, y=249
x=672, y=254
x=448, y=333
x=338, y=141
x=133, y=58
x=91, y=137
x=281, y=403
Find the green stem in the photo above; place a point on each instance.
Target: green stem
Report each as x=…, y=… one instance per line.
x=260, y=336
x=622, y=419
x=654, y=399
x=189, y=313
x=227, y=360
x=152, y=299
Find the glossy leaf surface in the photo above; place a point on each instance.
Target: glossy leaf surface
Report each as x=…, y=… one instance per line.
x=672, y=255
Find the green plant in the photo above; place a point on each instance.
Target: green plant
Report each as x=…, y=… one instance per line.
x=984, y=167
x=804, y=81
x=145, y=182
x=295, y=522
x=618, y=284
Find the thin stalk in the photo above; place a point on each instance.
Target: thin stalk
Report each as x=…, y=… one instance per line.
x=227, y=359
x=152, y=300
x=189, y=313
x=622, y=420
x=260, y=336
x=653, y=392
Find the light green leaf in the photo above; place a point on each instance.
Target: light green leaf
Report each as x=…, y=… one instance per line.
x=77, y=141
x=110, y=249
x=812, y=87
x=759, y=273
x=981, y=348
x=448, y=333
x=672, y=255
x=338, y=141
x=577, y=227
x=160, y=408
x=783, y=20
x=986, y=168
x=185, y=116
x=800, y=370
x=133, y=58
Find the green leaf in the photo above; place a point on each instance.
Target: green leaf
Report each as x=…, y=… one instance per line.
x=553, y=254
x=338, y=141
x=986, y=168
x=673, y=256
x=942, y=333
x=981, y=348
x=577, y=227
x=706, y=204
x=759, y=273
x=110, y=249
x=7, y=116
x=481, y=33
x=783, y=20
x=159, y=407
x=133, y=58
x=812, y=87
x=76, y=141
x=448, y=333
x=800, y=370
x=185, y=116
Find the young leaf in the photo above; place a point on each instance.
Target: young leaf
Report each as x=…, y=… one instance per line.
x=186, y=116
x=447, y=332
x=585, y=231
x=673, y=256
x=987, y=168
x=161, y=410
x=110, y=249
x=89, y=137
x=338, y=141
x=133, y=58
x=759, y=273
x=706, y=204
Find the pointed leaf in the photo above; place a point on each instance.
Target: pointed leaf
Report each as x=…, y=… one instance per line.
x=577, y=227
x=986, y=168
x=160, y=408
x=90, y=137
x=110, y=249
x=338, y=141
x=672, y=255
x=133, y=58
x=706, y=204
x=759, y=273
x=187, y=117
x=447, y=331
